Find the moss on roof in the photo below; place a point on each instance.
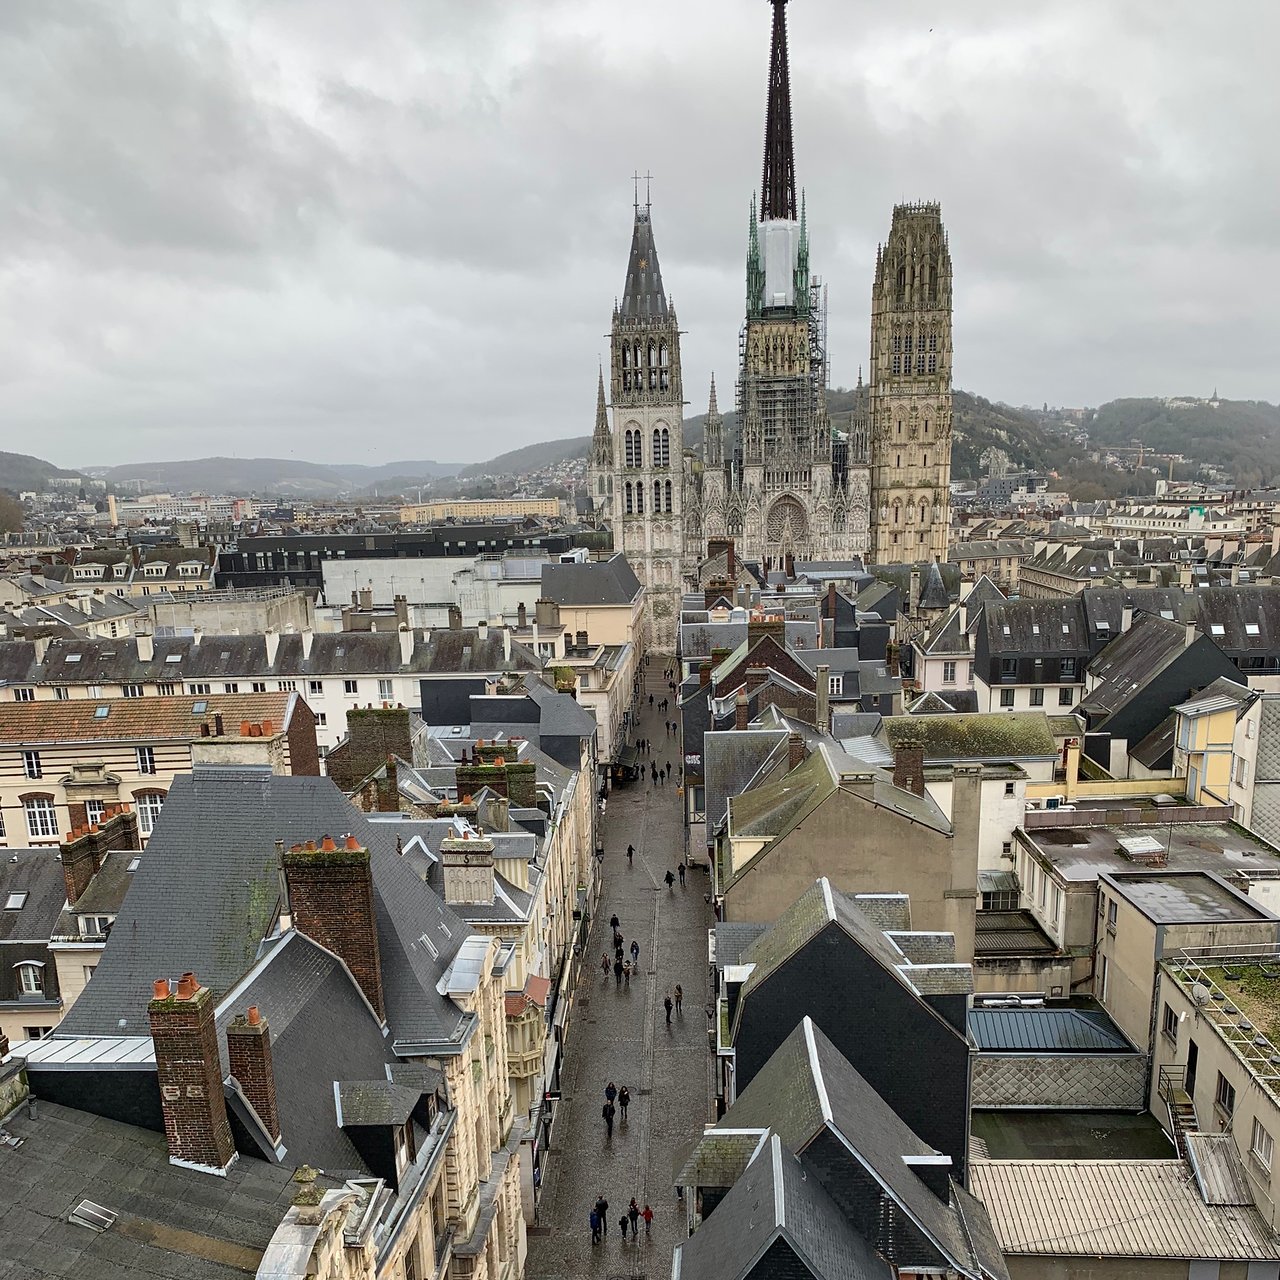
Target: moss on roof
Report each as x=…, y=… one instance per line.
x=974, y=736
x=777, y=807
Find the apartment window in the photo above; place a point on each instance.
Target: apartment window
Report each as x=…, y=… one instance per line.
x=36, y=1033
x=198, y=688
x=1009, y=788
x=1008, y=668
x=95, y=926
x=948, y=673
x=1224, y=1096
x=42, y=817
x=286, y=686
x=149, y=805
x=259, y=686
x=131, y=690
x=87, y=971
x=233, y=687
x=315, y=687
x=24, y=695
x=321, y=719
x=1169, y=1023
x=167, y=689
x=384, y=690
x=31, y=764
x=31, y=979
x=94, y=811
x=1067, y=669
x=835, y=686
x=1037, y=697
x=93, y=691
x=1242, y=771
x=1113, y=914
x=1006, y=697
x=1055, y=903
x=350, y=687
x=61, y=693
x=1065, y=697
x=1261, y=1146
x=146, y=760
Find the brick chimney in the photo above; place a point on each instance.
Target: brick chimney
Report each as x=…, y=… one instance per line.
x=908, y=764
x=704, y=674
x=795, y=751
x=331, y=901
x=467, y=863
x=189, y=1073
x=741, y=711
x=86, y=847
x=249, y=1054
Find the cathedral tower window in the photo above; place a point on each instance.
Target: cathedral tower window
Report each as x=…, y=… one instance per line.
x=933, y=342
x=639, y=498
x=933, y=364
x=652, y=355
x=630, y=500
x=919, y=364
x=662, y=354
x=657, y=496
x=661, y=447
x=907, y=344
x=633, y=454
x=626, y=357
x=668, y=496
x=923, y=514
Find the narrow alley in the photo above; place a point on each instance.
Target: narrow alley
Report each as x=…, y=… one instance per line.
x=620, y=1034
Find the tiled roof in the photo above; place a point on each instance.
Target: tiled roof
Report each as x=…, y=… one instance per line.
x=139, y=719
x=38, y=874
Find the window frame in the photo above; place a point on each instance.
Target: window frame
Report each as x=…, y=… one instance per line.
x=47, y=808
x=1264, y=1153
x=31, y=766
x=1224, y=1096
x=149, y=805
x=1169, y=1023
x=146, y=760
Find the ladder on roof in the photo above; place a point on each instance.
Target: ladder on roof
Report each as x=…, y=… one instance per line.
x=1179, y=1104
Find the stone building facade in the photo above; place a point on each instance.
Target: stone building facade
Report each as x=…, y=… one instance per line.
x=784, y=484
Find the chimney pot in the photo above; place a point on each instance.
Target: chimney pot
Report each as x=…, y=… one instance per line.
x=160, y=989
x=310, y=846
x=255, y=1015
x=187, y=986
x=327, y=844
x=268, y=728
x=245, y=728
x=352, y=844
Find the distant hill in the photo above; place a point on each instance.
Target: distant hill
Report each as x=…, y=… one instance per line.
x=20, y=471
x=274, y=475
x=1242, y=437
x=532, y=457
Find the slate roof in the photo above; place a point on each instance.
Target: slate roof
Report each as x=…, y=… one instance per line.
x=776, y=807
x=603, y=582
x=1009, y=736
x=212, y=859
x=730, y=760
x=173, y=1224
x=933, y=595
x=38, y=874
x=643, y=297
x=808, y=1086
x=945, y=636
x=109, y=885
x=139, y=719
x=1034, y=626
x=342, y=653
x=1130, y=662
x=936, y=704
x=775, y=1199
x=733, y=937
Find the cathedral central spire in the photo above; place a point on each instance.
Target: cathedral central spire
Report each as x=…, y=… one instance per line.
x=778, y=183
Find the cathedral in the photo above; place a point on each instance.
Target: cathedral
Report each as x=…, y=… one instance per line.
x=785, y=484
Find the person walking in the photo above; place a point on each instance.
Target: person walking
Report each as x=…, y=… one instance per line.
x=633, y=1212
x=651, y=700
x=669, y=878
x=608, y=1111
x=680, y=869
x=631, y=853
x=622, y=1222
x=635, y=952
x=679, y=998
x=617, y=972
x=669, y=768
x=666, y=1004
x=610, y=1091
x=614, y=922
x=647, y=1214
x=595, y=1227
x=626, y=974
x=604, y=964
x=602, y=1208
x=624, y=1101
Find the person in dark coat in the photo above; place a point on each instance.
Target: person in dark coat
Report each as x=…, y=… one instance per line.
x=670, y=879
x=617, y=970
x=608, y=1111
x=624, y=1101
x=595, y=1227
x=666, y=1004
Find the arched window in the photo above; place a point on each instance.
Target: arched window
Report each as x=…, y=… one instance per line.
x=657, y=496
x=148, y=804
x=30, y=978
x=897, y=512
x=636, y=356
x=626, y=357
x=630, y=508
x=924, y=514
x=600, y=485
x=668, y=506
x=632, y=450
x=661, y=447
x=662, y=354
x=919, y=364
x=652, y=356
x=639, y=498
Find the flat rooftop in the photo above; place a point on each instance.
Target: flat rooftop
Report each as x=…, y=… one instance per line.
x=1071, y=1135
x=1085, y=853
x=1185, y=897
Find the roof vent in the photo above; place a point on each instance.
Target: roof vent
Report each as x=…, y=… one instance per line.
x=88, y=1214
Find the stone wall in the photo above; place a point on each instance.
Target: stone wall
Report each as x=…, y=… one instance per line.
x=1077, y=1081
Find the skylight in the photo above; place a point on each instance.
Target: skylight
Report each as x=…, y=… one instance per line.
x=134, y=864
x=15, y=901
x=101, y=713
x=1251, y=629
x=199, y=708
x=1217, y=629
x=73, y=657
x=173, y=657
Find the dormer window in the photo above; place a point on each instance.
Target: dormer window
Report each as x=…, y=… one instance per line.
x=31, y=980
x=155, y=570
x=95, y=926
x=119, y=570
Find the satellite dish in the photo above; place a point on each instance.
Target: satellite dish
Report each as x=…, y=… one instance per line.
x=1199, y=993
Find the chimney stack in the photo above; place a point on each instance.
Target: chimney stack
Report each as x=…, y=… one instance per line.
x=741, y=711
x=908, y=764
x=1191, y=635
x=249, y=1055
x=1126, y=617
x=86, y=848
x=189, y=1073
x=795, y=752
x=822, y=697
x=704, y=674
x=402, y=610
x=272, y=637
x=467, y=863
x=913, y=592
x=146, y=646
x=455, y=618
x=522, y=616
x=406, y=644
x=331, y=901
x=547, y=613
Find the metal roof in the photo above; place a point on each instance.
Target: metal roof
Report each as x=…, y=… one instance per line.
x=1056, y=1031
x=1114, y=1208
x=1218, y=1170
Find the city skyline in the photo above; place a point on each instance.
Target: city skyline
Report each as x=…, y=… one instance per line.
x=328, y=239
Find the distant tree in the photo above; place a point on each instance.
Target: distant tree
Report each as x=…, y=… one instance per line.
x=11, y=513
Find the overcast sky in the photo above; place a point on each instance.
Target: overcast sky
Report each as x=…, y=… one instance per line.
x=395, y=229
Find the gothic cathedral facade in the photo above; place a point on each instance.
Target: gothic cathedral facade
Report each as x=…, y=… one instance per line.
x=785, y=485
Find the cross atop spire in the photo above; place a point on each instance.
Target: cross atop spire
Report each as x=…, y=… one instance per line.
x=778, y=183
